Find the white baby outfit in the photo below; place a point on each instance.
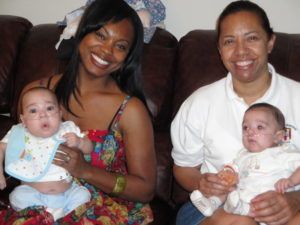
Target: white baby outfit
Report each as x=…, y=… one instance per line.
x=258, y=173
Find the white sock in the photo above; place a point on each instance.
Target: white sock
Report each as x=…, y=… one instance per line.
x=216, y=202
x=206, y=206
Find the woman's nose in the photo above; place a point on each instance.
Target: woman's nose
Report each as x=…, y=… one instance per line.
x=107, y=47
x=241, y=49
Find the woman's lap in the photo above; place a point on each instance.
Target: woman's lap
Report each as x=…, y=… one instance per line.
x=188, y=214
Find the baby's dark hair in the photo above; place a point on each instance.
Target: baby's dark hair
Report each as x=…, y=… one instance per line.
x=278, y=115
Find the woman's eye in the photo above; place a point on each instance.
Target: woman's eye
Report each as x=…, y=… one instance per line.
x=100, y=35
x=122, y=47
x=253, y=38
x=228, y=42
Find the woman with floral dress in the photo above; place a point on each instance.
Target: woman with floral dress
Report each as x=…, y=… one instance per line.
x=101, y=92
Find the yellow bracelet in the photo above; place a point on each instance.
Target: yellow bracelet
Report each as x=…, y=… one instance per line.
x=119, y=186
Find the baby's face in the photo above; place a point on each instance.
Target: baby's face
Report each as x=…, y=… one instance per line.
x=41, y=113
x=260, y=130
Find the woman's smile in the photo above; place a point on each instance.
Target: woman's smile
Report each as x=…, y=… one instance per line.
x=97, y=61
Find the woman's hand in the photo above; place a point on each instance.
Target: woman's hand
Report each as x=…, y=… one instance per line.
x=212, y=185
x=275, y=208
x=72, y=160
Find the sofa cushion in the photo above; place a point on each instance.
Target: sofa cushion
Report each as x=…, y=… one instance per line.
x=285, y=55
x=158, y=70
x=13, y=30
x=6, y=123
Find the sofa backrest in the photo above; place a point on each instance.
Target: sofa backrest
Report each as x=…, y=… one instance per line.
x=37, y=59
x=13, y=31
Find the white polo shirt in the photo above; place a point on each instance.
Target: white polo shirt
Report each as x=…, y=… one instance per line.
x=207, y=129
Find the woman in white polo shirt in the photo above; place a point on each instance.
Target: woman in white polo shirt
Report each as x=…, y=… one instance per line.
x=206, y=132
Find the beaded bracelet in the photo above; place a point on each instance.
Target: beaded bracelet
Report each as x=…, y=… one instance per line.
x=119, y=186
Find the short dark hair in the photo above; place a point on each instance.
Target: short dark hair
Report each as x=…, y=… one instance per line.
x=248, y=6
x=278, y=115
x=129, y=76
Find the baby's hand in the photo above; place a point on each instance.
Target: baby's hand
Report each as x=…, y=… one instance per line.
x=2, y=182
x=72, y=140
x=283, y=184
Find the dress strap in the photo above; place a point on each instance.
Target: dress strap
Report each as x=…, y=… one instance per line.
x=116, y=119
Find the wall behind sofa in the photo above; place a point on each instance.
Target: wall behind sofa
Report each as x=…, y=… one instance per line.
x=186, y=15
x=182, y=15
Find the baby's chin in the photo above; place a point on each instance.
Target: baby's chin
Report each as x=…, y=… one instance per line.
x=44, y=133
x=254, y=148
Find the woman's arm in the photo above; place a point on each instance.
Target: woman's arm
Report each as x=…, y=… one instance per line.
x=139, y=148
x=136, y=128
x=187, y=177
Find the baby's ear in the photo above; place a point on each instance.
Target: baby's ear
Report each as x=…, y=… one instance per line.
x=22, y=120
x=279, y=137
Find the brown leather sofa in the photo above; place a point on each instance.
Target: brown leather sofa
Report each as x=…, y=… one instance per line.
x=172, y=71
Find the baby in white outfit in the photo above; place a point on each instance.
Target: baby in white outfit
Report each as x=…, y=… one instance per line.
x=264, y=164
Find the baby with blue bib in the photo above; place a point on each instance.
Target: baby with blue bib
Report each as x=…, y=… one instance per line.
x=29, y=149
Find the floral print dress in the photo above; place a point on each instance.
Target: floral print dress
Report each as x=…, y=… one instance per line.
x=102, y=209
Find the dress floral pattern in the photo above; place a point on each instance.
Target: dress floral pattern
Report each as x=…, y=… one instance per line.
x=102, y=209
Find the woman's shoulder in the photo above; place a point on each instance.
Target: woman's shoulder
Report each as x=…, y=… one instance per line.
x=134, y=109
x=133, y=104
x=288, y=81
x=217, y=86
x=208, y=93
